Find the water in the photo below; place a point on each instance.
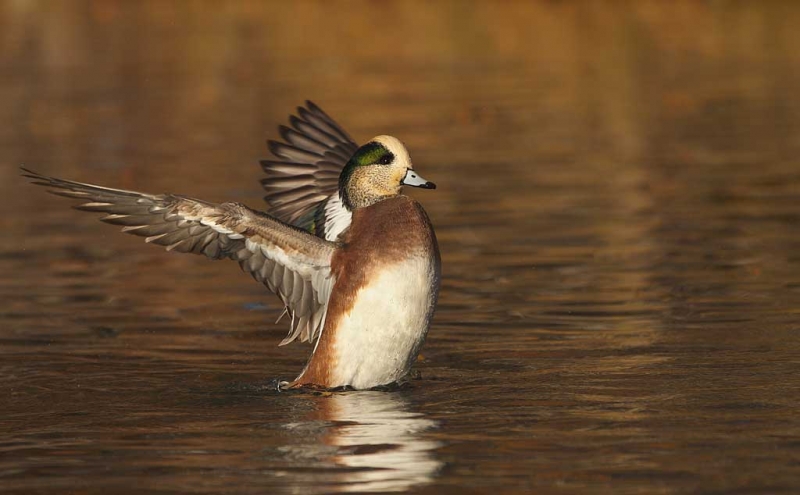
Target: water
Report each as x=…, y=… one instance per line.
x=617, y=212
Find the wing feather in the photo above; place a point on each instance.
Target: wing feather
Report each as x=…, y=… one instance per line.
x=306, y=172
x=289, y=261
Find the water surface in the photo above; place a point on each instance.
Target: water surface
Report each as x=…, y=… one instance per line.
x=618, y=213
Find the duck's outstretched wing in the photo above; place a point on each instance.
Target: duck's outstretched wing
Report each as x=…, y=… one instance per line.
x=290, y=262
x=302, y=184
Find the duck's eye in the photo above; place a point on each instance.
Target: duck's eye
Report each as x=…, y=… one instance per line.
x=386, y=159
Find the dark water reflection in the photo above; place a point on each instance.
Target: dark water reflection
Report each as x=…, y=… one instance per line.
x=617, y=211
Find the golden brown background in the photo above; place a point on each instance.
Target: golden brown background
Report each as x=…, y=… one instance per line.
x=618, y=213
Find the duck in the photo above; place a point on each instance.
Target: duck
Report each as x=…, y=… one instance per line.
x=354, y=261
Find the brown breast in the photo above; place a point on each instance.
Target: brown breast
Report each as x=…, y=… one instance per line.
x=383, y=233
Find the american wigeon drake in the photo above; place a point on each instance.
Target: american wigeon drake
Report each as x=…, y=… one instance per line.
x=355, y=262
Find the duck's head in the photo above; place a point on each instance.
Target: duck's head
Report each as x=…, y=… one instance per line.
x=377, y=171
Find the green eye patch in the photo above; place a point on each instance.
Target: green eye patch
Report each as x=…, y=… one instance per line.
x=372, y=153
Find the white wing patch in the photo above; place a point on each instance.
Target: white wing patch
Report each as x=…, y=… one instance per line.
x=337, y=218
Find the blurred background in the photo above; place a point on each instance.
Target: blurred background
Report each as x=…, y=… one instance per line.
x=617, y=210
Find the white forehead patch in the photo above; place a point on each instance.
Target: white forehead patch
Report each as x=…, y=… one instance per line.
x=396, y=147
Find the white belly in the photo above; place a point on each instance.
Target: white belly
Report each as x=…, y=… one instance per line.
x=379, y=339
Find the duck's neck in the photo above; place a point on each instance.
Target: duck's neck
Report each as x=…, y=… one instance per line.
x=356, y=199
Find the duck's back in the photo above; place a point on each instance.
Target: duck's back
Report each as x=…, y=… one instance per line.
x=387, y=281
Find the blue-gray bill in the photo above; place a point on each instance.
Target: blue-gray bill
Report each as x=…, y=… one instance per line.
x=415, y=180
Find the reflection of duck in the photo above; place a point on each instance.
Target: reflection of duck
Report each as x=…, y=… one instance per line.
x=379, y=438
x=358, y=268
